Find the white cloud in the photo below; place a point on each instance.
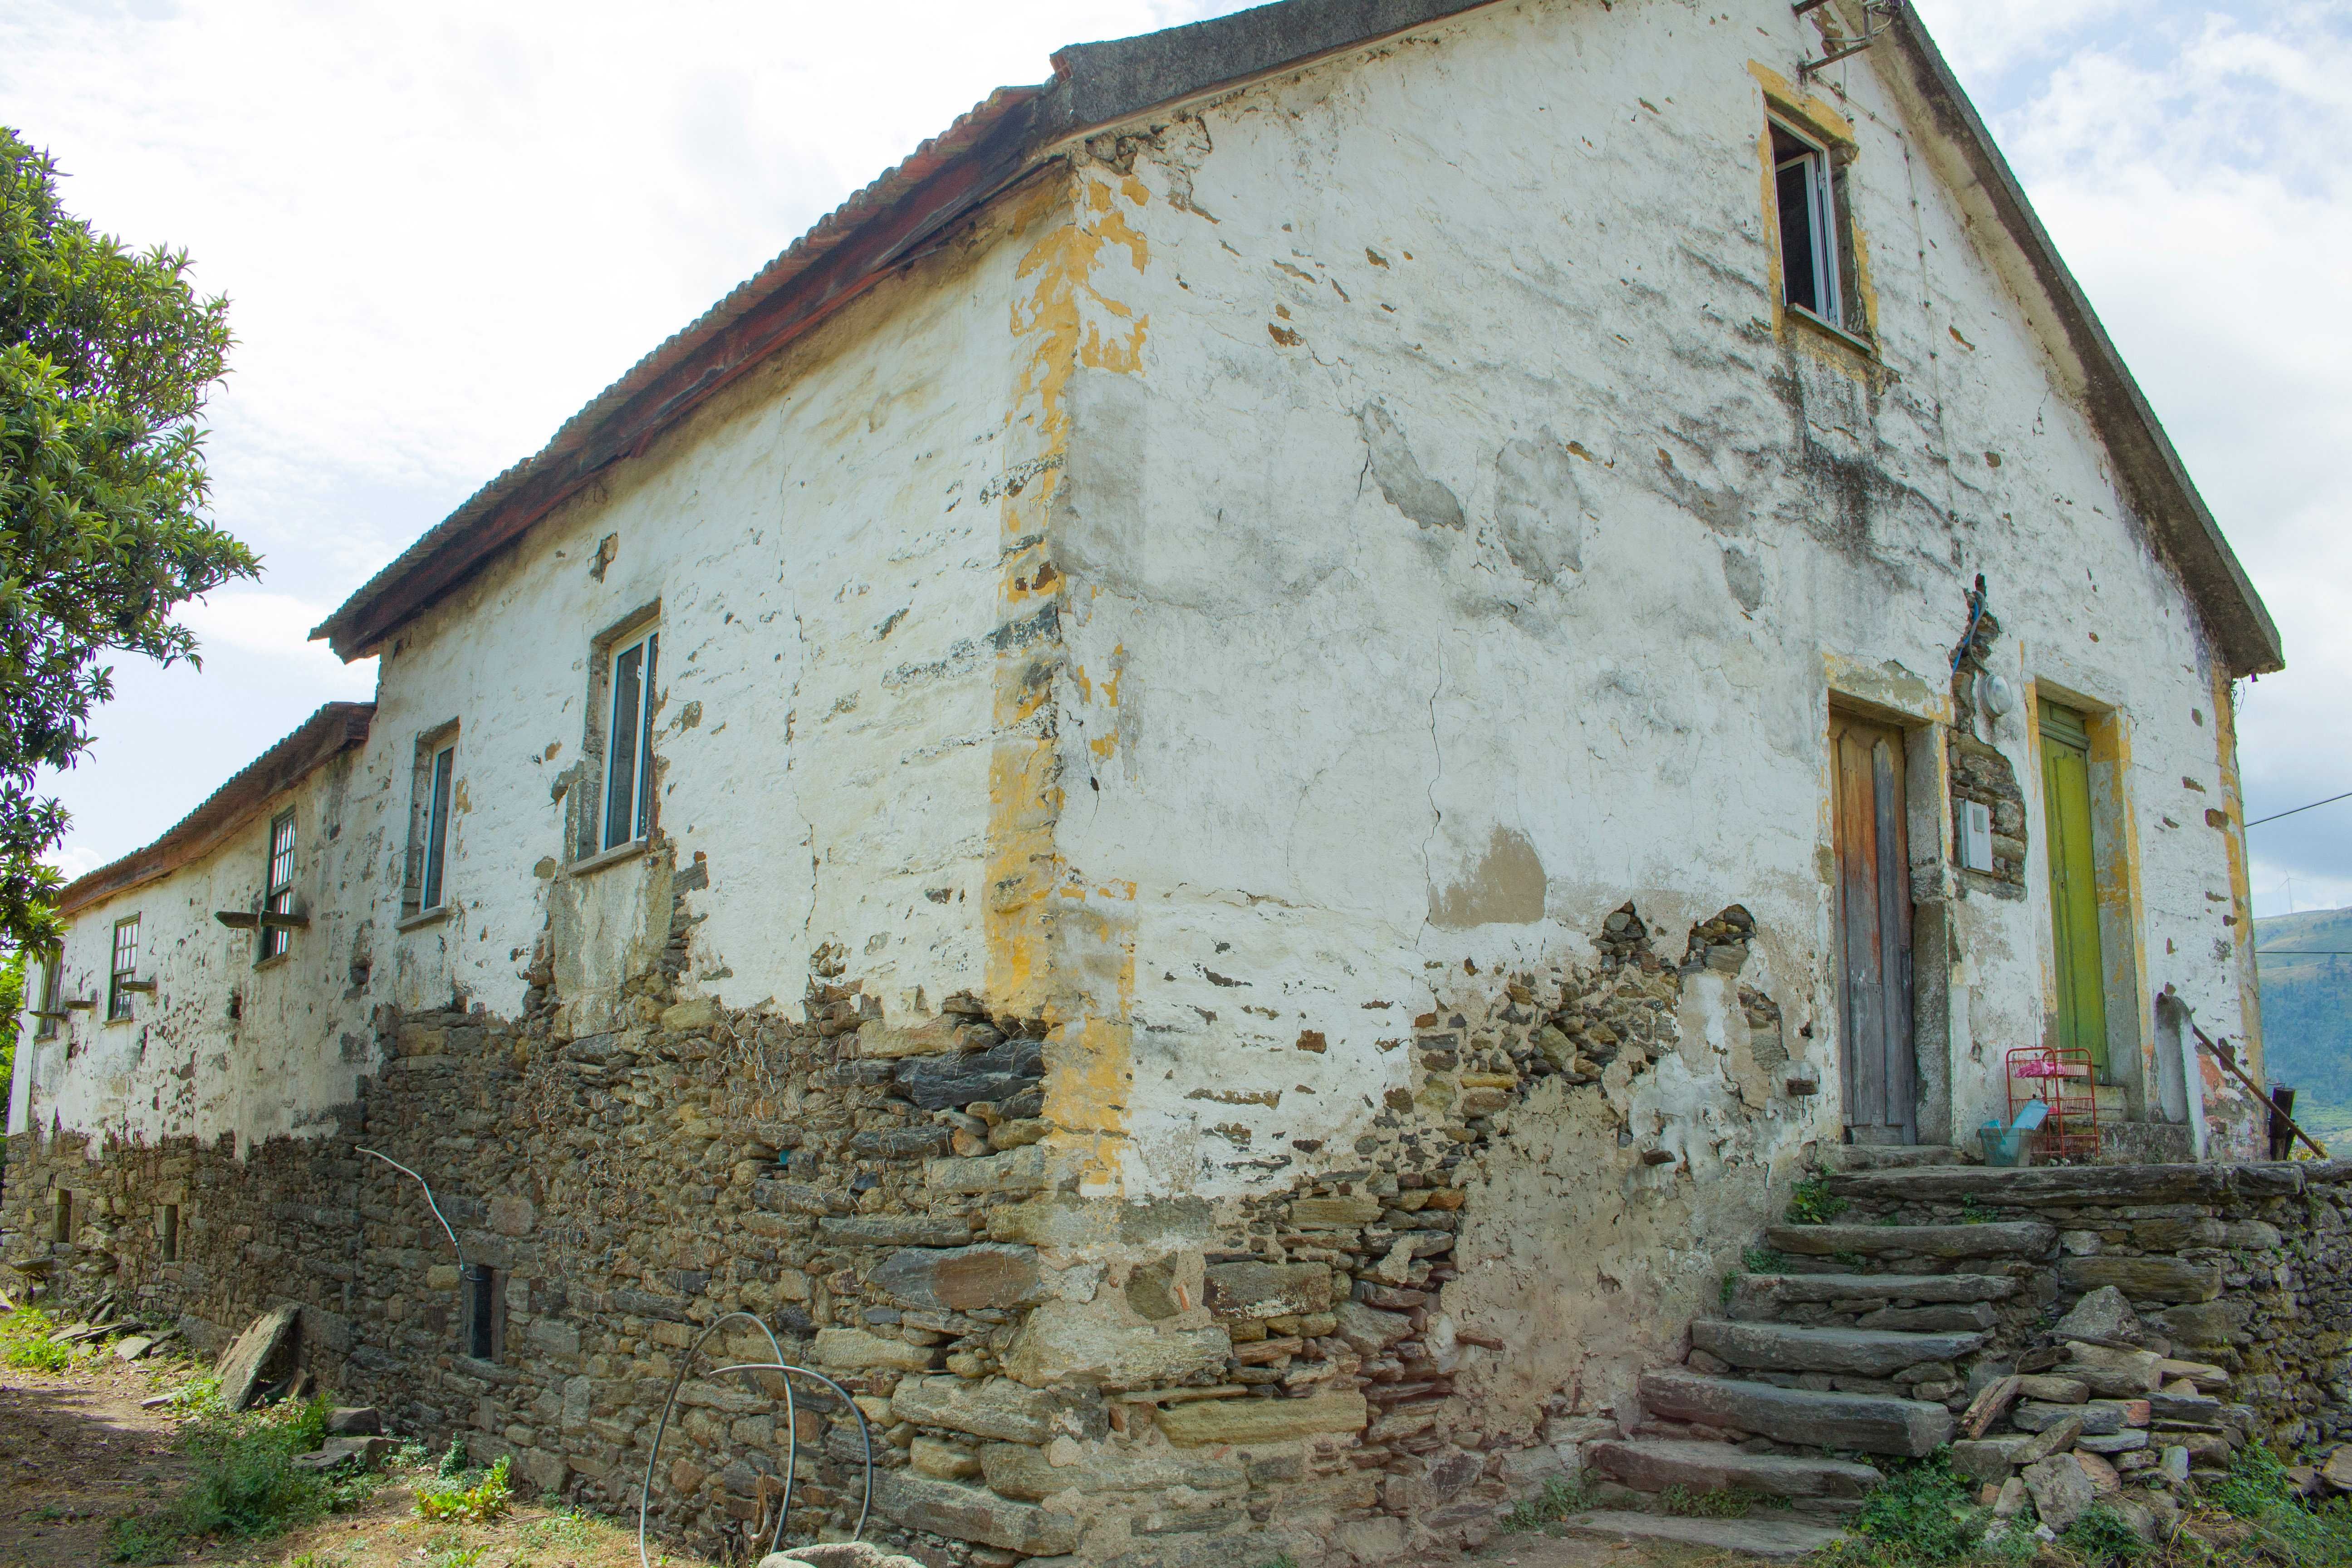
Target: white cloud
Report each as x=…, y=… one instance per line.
x=255, y=622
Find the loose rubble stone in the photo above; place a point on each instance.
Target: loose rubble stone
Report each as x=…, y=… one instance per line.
x=2062, y=1492
x=240, y=1369
x=2101, y=1314
x=973, y=1514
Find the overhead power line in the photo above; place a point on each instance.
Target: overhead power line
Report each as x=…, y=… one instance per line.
x=2314, y=805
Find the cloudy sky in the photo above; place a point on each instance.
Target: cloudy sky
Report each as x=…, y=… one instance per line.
x=446, y=225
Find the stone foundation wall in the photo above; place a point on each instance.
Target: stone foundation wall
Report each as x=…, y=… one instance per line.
x=1337, y=1358
x=2246, y=1267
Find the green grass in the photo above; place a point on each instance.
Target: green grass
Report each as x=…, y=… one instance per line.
x=480, y=1501
x=26, y=1345
x=1924, y=1515
x=1811, y=1203
x=245, y=1485
x=2104, y=1536
x=1559, y=1498
x=2281, y=1528
x=1764, y=1260
x=1684, y=1503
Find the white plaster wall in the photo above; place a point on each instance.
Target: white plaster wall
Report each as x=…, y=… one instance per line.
x=1523, y=254
x=180, y=1065
x=821, y=544
x=824, y=567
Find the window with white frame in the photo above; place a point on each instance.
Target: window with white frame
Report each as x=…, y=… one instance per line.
x=277, y=895
x=628, y=800
x=428, y=824
x=1812, y=234
x=122, y=977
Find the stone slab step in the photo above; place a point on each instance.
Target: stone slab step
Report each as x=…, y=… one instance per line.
x=1863, y=1423
x=2067, y=1186
x=1892, y=1156
x=1862, y=1353
x=1757, y=1295
x=1653, y=1464
x=2029, y=1238
x=1785, y=1540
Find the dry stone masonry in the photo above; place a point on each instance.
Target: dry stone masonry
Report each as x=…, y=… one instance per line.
x=2082, y=1335
x=1032, y=1364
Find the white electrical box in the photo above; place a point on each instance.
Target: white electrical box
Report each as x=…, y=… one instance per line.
x=1976, y=836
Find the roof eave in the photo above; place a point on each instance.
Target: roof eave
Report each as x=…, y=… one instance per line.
x=333, y=730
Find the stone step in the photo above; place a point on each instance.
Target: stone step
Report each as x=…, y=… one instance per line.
x=1858, y=1352
x=2067, y=1186
x=1892, y=1156
x=1653, y=1464
x=1782, y=1538
x=1863, y=1423
x=2029, y=1238
x=1760, y=1296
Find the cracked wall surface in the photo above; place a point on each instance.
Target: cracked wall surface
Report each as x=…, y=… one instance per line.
x=1239, y=926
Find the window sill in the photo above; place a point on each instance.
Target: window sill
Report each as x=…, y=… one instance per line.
x=423, y=917
x=274, y=959
x=612, y=856
x=1837, y=334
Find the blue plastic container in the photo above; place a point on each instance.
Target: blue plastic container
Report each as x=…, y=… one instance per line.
x=2007, y=1145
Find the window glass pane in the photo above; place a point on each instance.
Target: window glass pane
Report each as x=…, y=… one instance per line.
x=280, y=895
x=436, y=827
x=645, y=745
x=125, y=966
x=1797, y=247
x=620, y=792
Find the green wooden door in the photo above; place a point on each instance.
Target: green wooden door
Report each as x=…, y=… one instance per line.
x=2074, y=883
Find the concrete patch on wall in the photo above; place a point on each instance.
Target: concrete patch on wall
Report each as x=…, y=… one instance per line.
x=1505, y=888
x=1389, y=462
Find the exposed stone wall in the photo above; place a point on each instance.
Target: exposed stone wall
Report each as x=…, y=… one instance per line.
x=2248, y=1268
x=1305, y=1365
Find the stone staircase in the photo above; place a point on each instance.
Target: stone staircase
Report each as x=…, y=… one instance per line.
x=1873, y=1339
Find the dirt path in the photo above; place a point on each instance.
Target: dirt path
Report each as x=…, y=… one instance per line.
x=79, y=1452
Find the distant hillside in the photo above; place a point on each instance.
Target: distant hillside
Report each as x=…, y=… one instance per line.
x=2307, y=1016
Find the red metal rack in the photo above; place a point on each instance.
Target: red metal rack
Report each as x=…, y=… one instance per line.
x=2061, y=1080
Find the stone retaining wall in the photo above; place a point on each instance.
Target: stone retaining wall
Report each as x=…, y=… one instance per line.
x=1343, y=1357
x=2246, y=1267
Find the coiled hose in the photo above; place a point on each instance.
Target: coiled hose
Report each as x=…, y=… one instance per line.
x=792, y=1427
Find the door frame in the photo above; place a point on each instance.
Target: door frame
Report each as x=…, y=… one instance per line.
x=1920, y=708
x=2115, y=845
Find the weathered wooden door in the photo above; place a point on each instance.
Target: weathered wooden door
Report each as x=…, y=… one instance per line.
x=2074, y=883
x=1878, y=1070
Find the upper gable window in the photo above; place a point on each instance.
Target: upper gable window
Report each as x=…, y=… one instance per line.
x=278, y=897
x=628, y=796
x=1813, y=244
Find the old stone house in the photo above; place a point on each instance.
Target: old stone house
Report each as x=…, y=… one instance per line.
x=1377, y=663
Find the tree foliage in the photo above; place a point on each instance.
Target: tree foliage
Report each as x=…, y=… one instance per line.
x=106, y=357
